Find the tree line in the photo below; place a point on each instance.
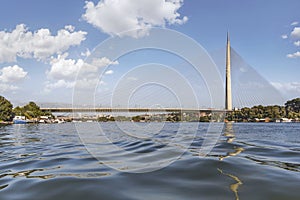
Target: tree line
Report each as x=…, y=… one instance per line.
x=291, y=110
x=30, y=110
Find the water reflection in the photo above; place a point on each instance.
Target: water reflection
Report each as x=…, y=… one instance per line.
x=283, y=165
x=230, y=135
x=233, y=187
x=19, y=135
x=3, y=186
x=229, y=132
x=29, y=174
x=237, y=150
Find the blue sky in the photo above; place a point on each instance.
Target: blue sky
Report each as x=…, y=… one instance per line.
x=42, y=65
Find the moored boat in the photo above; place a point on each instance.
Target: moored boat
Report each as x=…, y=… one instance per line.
x=19, y=120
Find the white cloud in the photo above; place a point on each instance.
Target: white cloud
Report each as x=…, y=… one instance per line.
x=59, y=84
x=62, y=68
x=103, y=62
x=296, y=32
x=7, y=87
x=40, y=44
x=89, y=74
x=64, y=71
x=87, y=83
x=91, y=69
x=67, y=69
x=297, y=43
x=70, y=28
x=9, y=76
x=87, y=53
x=109, y=72
x=284, y=36
x=116, y=16
x=294, y=23
x=289, y=89
x=12, y=74
x=294, y=55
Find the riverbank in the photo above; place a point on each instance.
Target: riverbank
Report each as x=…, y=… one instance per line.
x=143, y=121
x=5, y=123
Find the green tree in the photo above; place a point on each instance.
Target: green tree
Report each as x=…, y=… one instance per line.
x=204, y=119
x=174, y=117
x=293, y=105
x=6, y=113
x=31, y=110
x=18, y=111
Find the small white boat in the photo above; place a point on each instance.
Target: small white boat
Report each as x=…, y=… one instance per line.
x=19, y=120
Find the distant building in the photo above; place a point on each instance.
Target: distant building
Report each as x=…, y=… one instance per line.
x=285, y=120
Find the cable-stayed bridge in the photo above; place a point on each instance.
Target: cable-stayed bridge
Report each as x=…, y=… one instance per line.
x=228, y=99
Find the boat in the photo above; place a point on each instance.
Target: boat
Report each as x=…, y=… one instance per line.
x=19, y=120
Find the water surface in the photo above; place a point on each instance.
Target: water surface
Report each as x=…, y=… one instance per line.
x=250, y=161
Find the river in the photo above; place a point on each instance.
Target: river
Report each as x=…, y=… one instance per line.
x=51, y=161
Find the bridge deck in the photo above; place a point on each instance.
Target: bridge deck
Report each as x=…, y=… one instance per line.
x=160, y=110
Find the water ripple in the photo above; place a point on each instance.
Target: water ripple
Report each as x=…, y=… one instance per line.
x=250, y=161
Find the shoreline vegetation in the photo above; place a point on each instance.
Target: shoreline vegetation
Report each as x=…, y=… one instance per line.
x=290, y=112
